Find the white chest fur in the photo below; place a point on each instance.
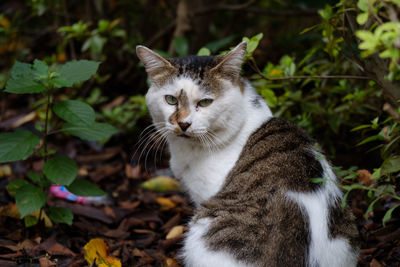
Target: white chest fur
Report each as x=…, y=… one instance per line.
x=201, y=171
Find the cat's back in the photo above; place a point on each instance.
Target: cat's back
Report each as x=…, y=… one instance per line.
x=254, y=217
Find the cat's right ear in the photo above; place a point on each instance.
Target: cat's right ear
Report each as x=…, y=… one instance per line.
x=157, y=67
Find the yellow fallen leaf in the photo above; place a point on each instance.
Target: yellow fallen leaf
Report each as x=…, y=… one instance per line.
x=175, y=232
x=5, y=170
x=26, y=118
x=97, y=249
x=165, y=203
x=161, y=184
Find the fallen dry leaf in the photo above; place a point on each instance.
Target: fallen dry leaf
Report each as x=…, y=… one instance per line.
x=169, y=262
x=132, y=172
x=165, y=203
x=26, y=118
x=45, y=262
x=97, y=249
x=175, y=232
x=375, y=263
x=161, y=184
x=365, y=177
x=5, y=170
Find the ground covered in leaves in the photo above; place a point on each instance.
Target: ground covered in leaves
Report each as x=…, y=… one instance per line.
x=136, y=226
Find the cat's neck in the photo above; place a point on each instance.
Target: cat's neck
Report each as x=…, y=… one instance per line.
x=203, y=170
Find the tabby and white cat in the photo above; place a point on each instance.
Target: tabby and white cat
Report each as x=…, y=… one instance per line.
x=248, y=173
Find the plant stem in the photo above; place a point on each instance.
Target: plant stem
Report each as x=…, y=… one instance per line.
x=46, y=125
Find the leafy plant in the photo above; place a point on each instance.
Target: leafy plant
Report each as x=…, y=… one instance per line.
x=79, y=117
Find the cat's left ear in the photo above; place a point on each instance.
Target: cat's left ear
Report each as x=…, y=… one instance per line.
x=157, y=67
x=231, y=64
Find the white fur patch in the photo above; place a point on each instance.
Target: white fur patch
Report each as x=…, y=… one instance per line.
x=196, y=254
x=324, y=251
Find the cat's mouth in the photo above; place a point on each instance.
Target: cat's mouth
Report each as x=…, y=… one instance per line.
x=184, y=135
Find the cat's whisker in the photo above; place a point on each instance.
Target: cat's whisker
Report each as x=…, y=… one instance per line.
x=149, y=139
x=144, y=135
x=157, y=143
x=157, y=139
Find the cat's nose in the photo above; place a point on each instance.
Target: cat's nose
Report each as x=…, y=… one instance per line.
x=184, y=125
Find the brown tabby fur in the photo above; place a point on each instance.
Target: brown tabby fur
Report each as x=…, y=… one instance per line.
x=252, y=217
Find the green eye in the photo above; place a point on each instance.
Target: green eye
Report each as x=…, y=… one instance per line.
x=205, y=102
x=171, y=100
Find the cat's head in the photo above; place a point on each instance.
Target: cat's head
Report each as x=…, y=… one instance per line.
x=196, y=98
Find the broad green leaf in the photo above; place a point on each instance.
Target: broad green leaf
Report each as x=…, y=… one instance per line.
x=29, y=198
x=95, y=131
x=22, y=80
x=61, y=215
x=76, y=71
x=390, y=165
x=14, y=185
x=60, y=170
x=83, y=187
x=181, y=46
x=204, y=51
x=75, y=112
x=41, y=69
x=17, y=145
x=388, y=214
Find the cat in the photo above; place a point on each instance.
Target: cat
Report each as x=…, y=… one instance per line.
x=248, y=173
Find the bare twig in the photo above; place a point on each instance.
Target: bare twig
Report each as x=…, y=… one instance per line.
x=391, y=111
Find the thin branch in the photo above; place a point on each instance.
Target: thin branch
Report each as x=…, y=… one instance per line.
x=254, y=66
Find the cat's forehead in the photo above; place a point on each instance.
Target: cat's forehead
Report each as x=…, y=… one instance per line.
x=194, y=66
x=189, y=87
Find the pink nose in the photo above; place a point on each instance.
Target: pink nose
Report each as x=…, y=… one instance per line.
x=184, y=125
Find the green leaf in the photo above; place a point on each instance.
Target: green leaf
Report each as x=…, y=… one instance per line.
x=204, y=51
x=35, y=176
x=83, y=187
x=362, y=18
x=61, y=215
x=22, y=80
x=390, y=165
x=17, y=145
x=93, y=132
x=29, y=198
x=75, y=112
x=41, y=69
x=14, y=185
x=269, y=97
x=75, y=71
x=388, y=214
x=181, y=46
x=30, y=221
x=61, y=170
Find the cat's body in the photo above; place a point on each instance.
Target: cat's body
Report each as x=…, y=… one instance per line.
x=248, y=173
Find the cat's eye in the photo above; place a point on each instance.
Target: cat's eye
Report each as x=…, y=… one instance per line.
x=171, y=100
x=205, y=102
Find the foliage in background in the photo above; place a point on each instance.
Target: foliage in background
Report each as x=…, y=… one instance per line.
x=79, y=120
